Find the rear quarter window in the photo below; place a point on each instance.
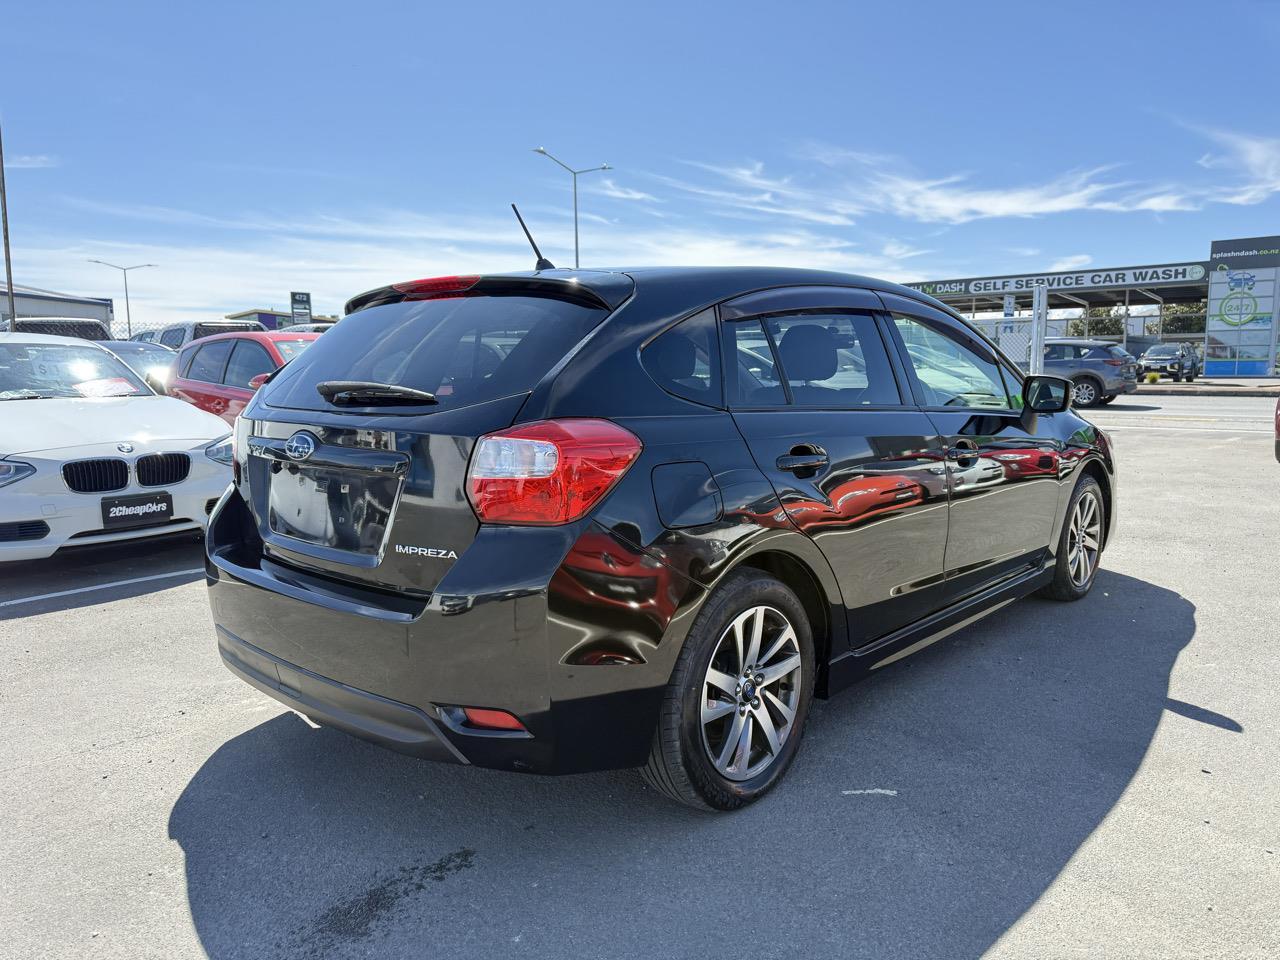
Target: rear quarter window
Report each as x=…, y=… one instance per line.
x=685, y=360
x=463, y=350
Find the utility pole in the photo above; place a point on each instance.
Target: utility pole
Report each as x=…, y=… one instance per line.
x=576, y=174
x=4, y=227
x=124, y=271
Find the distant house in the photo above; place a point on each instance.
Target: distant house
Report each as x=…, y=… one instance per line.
x=273, y=319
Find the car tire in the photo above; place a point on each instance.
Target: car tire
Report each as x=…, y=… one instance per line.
x=1071, y=580
x=695, y=731
x=1177, y=378
x=1085, y=392
x=1110, y=398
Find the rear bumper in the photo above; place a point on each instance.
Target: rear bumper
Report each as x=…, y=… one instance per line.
x=387, y=723
x=1123, y=387
x=395, y=669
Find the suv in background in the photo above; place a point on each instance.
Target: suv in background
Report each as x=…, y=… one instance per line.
x=177, y=335
x=1177, y=360
x=82, y=328
x=1099, y=371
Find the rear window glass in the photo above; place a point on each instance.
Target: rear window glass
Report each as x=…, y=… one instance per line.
x=464, y=350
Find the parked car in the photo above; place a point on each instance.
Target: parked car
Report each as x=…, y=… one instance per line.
x=1177, y=360
x=82, y=328
x=605, y=549
x=150, y=361
x=218, y=373
x=146, y=336
x=1099, y=371
x=89, y=454
x=317, y=327
x=177, y=335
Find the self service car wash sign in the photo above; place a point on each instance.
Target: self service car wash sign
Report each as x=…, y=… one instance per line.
x=301, y=305
x=1241, y=325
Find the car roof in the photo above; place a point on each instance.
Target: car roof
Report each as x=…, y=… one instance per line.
x=47, y=338
x=261, y=336
x=708, y=284
x=135, y=345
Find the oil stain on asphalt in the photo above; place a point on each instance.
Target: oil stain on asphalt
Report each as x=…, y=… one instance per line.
x=357, y=917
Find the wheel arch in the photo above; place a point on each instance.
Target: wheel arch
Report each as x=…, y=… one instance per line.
x=1094, y=468
x=824, y=612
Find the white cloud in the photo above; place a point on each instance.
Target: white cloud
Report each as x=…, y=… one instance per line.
x=251, y=260
x=1073, y=262
x=1255, y=159
x=31, y=161
x=607, y=187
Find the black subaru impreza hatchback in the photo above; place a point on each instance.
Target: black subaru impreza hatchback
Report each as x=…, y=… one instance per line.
x=573, y=520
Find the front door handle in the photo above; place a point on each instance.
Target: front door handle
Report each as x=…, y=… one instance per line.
x=804, y=458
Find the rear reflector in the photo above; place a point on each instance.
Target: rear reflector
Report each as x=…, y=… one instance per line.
x=435, y=288
x=491, y=719
x=547, y=472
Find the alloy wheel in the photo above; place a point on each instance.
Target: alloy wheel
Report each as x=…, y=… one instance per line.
x=751, y=693
x=1084, y=393
x=1084, y=539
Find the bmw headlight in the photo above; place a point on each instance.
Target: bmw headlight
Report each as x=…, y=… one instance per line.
x=11, y=471
x=220, y=450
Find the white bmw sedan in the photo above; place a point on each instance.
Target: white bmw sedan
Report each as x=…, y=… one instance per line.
x=90, y=454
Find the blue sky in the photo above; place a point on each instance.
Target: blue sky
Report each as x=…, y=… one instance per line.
x=255, y=149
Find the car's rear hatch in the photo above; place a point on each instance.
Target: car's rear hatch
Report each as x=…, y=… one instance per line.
x=369, y=485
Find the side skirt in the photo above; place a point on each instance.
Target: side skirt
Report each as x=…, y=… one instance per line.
x=851, y=666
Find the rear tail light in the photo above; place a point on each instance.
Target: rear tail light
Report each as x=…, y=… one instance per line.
x=1114, y=363
x=435, y=288
x=549, y=471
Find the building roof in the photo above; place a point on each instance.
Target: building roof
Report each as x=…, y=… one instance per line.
x=22, y=290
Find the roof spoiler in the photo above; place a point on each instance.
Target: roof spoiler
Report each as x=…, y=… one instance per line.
x=604, y=290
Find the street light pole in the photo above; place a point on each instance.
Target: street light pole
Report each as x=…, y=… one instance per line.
x=128, y=314
x=4, y=227
x=575, y=173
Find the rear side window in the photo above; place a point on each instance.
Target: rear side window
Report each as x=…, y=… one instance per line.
x=1118, y=353
x=464, y=350
x=210, y=361
x=811, y=359
x=686, y=359
x=172, y=338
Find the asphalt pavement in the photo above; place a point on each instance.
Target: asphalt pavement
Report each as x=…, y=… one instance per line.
x=1095, y=779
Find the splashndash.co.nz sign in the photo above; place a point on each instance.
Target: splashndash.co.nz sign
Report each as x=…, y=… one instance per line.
x=1152, y=276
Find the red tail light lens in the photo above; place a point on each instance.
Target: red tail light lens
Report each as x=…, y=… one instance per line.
x=547, y=472
x=491, y=719
x=1114, y=363
x=435, y=288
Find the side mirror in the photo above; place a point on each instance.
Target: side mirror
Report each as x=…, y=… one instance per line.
x=156, y=383
x=1044, y=394
x=258, y=381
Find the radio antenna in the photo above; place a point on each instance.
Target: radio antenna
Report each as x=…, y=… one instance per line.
x=543, y=263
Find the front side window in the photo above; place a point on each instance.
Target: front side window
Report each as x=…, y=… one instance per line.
x=813, y=359
x=210, y=361
x=685, y=360
x=950, y=373
x=248, y=360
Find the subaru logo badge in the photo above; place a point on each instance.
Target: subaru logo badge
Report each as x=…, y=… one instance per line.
x=125, y=447
x=300, y=446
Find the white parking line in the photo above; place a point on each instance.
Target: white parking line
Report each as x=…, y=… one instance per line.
x=101, y=586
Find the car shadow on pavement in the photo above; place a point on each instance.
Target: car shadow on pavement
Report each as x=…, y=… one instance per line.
x=88, y=576
x=933, y=804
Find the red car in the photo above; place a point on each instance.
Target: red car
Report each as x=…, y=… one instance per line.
x=220, y=373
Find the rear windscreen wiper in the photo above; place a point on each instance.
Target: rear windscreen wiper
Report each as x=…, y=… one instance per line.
x=364, y=394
